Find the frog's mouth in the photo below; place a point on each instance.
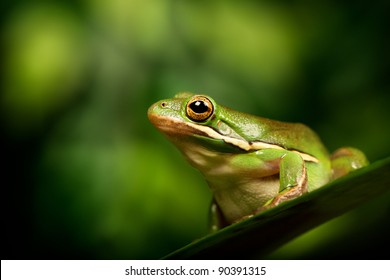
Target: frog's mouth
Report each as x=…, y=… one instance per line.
x=172, y=126
x=175, y=128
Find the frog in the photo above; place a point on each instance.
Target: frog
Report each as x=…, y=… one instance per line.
x=250, y=163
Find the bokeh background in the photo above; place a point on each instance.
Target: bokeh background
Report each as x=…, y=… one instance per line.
x=85, y=175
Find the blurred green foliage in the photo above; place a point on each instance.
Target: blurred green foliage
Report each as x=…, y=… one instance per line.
x=87, y=176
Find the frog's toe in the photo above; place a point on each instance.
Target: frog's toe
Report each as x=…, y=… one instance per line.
x=347, y=159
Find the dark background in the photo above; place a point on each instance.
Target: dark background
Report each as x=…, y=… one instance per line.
x=85, y=175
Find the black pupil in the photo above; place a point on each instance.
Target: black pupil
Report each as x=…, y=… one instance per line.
x=199, y=107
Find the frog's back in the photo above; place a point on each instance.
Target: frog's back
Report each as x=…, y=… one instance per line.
x=291, y=136
x=295, y=136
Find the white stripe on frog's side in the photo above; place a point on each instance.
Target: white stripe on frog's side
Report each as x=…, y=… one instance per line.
x=242, y=144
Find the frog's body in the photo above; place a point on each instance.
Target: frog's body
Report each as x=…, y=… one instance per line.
x=250, y=163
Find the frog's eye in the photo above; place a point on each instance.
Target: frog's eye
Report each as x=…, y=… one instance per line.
x=199, y=108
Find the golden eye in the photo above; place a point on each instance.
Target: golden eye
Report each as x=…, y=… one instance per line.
x=199, y=108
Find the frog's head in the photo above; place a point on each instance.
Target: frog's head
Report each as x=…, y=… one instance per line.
x=189, y=119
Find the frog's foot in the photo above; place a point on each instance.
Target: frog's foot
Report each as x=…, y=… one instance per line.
x=292, y=193
x=293, y=182
x=345, y=160
x=216, y=218
x=289, y=192
x=243, y=218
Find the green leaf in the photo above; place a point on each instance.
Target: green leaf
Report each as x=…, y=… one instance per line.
x=265, y=232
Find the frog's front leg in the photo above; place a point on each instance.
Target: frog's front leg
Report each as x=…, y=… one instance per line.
x=290, y=166
x=216, y=219
x=293, y=180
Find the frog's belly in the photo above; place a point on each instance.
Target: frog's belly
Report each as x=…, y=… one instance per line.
x=238, y=191
x=243, y=198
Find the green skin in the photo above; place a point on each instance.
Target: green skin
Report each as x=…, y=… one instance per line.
x=250, y=163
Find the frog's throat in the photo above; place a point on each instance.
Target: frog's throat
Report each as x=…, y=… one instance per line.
x=174, y=126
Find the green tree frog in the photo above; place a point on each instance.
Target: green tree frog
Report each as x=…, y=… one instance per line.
x=250, y=163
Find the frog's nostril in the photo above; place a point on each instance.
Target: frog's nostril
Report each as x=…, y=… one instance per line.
x=163, y=104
